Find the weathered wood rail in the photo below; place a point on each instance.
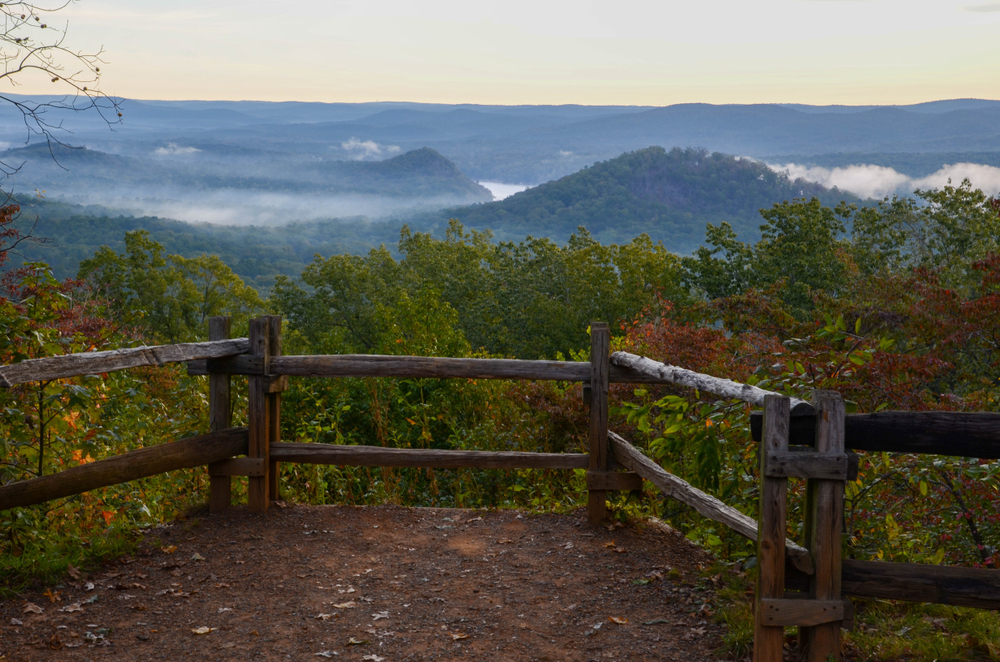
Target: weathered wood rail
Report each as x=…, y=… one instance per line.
x=800, y=439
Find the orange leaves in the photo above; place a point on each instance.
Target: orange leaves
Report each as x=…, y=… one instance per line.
x=80, y=458
x=108, y=515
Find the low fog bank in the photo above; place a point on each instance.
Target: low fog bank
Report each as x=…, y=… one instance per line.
x=244, y=207
x=873, y=181
x=500, y=191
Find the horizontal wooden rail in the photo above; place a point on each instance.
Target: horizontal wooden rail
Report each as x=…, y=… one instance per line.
x=916, y=582
x=182, y=454
x=93, y=363
x=912, y=582
x=725, y=388
x=362, y=365
x=378, y=456
x=705, y=504
x=380, y=365
x=961, y=434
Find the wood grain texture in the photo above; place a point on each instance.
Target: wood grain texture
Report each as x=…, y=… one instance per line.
x=597, y=432
x=825, y=520
x=777, y=613
x=769, y=636
x=805, y=465
x=959, y=434
x=183, y=454
x=725, y=388
x=375, y=365
x=707, y=505
x=93, y=363
x=916, y=582
x=258, y=495
x=275, y=385
x=378, y=456
x=612, y=481
x=220, y=417
x=237, y=466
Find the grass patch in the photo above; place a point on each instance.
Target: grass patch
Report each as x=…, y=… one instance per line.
x=47, y=562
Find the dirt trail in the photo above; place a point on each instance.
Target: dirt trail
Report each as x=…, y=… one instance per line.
x=307, y=582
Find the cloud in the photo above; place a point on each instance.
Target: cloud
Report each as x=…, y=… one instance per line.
x=871, y=181
x=982, y=177
x=985, y=8
x=868, y=181
x=367, y=149
x=563, y=153
x=173, y=149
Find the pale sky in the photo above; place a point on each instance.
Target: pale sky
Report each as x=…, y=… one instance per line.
x=628, y=52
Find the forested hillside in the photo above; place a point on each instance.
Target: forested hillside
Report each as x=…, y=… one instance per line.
x=669, y=195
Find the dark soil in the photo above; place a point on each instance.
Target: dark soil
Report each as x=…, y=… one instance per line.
x=379, y=584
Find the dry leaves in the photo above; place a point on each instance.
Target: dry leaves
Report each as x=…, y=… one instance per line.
x=32, y=608
x=459, y=635
x=346, y=605
x=357, y=642
x=203, y=630
x=618, y=619
x=326, y=617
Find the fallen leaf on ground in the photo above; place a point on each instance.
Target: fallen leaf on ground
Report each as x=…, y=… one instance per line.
x=169, y=550
x=610, y=544
x=657, y=621
x=325, y=617
x=197, y=557
x=372, y=658
x=53, y=596
x=347, y=605
x=325, y=654
x=357, y=642
x=618, y=619
x=16, y=621
x=72, y=572
x=32, y=608
x=459, y=635
x=203, y=630
x=76, y=606
x=620, y=550
x=381, y=614
x=222, y=609
x=89, y=586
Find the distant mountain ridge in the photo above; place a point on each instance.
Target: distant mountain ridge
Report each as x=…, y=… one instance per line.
x=534, y=144
x=669, y=195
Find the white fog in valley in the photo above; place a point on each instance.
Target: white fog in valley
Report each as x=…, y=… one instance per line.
x=501, y=191
x=872, y=181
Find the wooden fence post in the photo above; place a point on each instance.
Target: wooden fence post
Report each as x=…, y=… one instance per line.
x=824, y=522
x=600, y=367
x=220, y=417
x=258, y=487
x=768, y=641
x=275, y=386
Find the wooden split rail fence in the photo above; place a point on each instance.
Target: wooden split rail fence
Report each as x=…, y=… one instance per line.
x=804, y=585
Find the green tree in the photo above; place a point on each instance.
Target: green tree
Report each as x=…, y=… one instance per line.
x=800, y=246
x=169, y=296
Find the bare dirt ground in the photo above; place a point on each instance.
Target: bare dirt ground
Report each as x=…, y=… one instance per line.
x=379, y=584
